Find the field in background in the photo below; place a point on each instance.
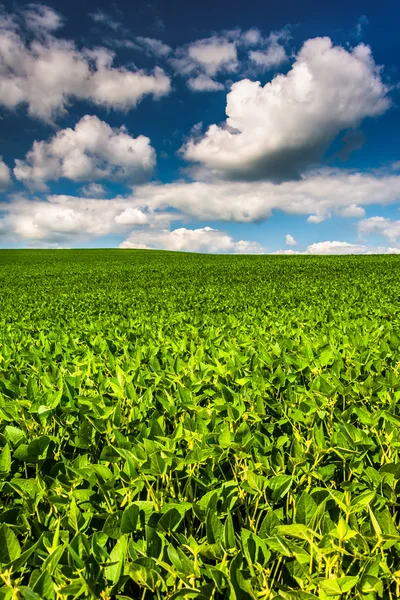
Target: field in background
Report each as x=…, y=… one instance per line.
x=194, y=426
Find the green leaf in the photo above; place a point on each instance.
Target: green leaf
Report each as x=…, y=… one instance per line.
x=51, y=562
x=306, y=508
x=112, y=526
x=331, y=587
x=44, y=587
x=117, y=559
x=280, y=486
x=5, y=459
x=130, y=518
x=14, y=434
x=9, y=546
x=180, y=561
x=170, y=520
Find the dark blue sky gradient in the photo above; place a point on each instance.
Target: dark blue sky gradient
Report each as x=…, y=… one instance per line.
x=168, y=121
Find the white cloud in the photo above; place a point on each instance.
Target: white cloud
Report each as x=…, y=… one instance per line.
x=91, y=151
x=274, y=54
x=352, y=211
x=213, y=55
x=347, y=248
x=319, y=194
x=153, y=46
x=204, y=83
x=276, y=131
x=41, y=19
x=336, y=247
x=290, y=241
x=132, y=216
x=290, y=251
x=93, y=190
x=204, y=59
x=65, y=219
x=48, y=73
x=105, y=19
x=5, y=177
x=340, y=248
x=380, y=226
x=205, y=239
x=315, y=219
x=251, y=37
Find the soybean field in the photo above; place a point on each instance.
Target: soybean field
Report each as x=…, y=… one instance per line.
x=182, y=426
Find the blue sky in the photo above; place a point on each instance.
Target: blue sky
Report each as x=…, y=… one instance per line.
x=213, y=127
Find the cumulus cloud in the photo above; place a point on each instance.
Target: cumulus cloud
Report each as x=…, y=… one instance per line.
x=274, y=54
x=205, y=239
x=212, y=55
x=382, y=226
x=41, y=19
x=352, y=211
x=204, y=59
x=315, y=219
x=290, y=241
x=132, y=216
x=320, y=194
x=91, y=151
x=153, y=46
x=93, y=190
x=204, y=83
x=251, y=37
x=100, y=17
x=276, y=131
x=336, y=247
x=66, y=219
x=340, y=248
x=47, y=73
x=5, y=177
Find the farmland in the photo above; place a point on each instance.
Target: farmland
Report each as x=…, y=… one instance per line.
x=182, y=426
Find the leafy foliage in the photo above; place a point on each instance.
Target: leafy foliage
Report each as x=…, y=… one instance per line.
x=199, y=427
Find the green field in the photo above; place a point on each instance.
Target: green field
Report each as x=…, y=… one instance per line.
x=181, y=426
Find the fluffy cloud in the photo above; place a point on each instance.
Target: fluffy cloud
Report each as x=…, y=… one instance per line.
x=91, y=151
x=319, y=194
x=290, y=241
x=47, y=73
x=274, y=53
x=335, y=248
x=5, y=177
x=132, y=216
x=205, y=59
x=276, y=131
x=352, y=211
x=251, y=37
x=93, y=190
x=274, y=56
x=212, y=55
x=315, y=219
x=204, y=83
x=153, y=46
x=380, y=226
x=103, y=18
x=65, y=219
x=41, y=19
x=205, y=239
